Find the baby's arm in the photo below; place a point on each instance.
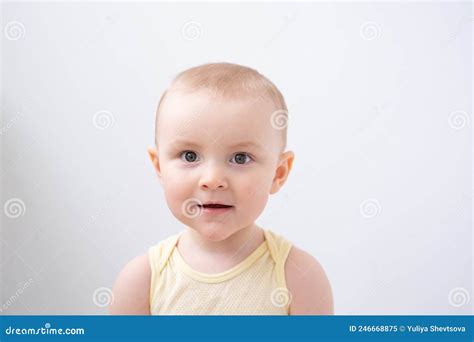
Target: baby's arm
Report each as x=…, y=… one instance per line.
x=308, y=284
x=131, y=290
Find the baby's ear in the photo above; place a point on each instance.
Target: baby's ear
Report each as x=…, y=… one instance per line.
x=153, y=154
x=285, y=163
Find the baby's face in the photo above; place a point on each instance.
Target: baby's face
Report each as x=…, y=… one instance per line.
x=212, y=149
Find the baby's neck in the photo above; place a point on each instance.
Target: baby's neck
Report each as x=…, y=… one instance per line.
x=192, y=240
x=216, y=256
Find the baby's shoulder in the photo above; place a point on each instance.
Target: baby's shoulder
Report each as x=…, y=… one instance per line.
x=308, y=284
x=132, y=287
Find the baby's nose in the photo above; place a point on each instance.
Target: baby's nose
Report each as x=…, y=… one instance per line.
x=213, y=178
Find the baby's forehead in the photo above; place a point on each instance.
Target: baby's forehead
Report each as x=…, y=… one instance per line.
x=204, y=98
x=202, y=115
x=206, y=109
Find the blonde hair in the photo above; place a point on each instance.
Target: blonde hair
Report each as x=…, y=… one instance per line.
x=228, y=80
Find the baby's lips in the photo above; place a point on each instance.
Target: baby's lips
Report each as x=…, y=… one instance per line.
x=215, y=205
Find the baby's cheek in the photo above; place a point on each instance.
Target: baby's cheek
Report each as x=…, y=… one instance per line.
x=256, y=189
x=176, y=193
x=254, y=197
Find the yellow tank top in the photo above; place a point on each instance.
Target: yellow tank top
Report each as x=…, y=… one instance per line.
x=255, y=286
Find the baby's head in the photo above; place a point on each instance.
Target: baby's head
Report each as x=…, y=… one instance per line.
x=220, y=137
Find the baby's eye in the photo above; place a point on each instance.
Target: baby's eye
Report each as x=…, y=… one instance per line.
x=240, y=158
x=189, y=156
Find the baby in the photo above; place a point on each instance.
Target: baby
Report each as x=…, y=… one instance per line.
x=220, y=141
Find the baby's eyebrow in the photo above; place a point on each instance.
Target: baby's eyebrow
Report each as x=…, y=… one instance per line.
x=249, y=144
x=246, y=144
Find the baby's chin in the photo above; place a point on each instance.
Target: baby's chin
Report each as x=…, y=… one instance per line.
x=213, y=232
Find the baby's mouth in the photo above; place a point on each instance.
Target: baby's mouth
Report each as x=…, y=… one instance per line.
x=214, y=206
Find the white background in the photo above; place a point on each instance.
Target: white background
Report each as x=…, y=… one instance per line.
x=380, y=101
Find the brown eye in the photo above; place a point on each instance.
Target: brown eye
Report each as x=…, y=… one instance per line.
x=189, y=156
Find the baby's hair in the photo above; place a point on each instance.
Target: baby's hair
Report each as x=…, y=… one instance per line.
x=228, y=80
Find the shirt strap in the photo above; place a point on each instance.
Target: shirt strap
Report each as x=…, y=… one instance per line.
x=279, y=249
